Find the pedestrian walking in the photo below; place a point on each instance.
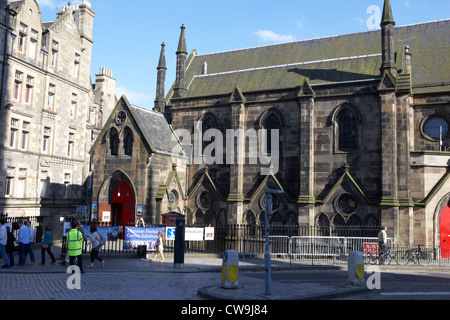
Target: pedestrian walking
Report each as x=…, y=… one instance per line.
x=29, y=247
x=23, y=239
x=159, y=247
x=96, y=246
x=46, y=244
x=382, y=240
x=3, y=242
x=10, y=247
x=74, y=245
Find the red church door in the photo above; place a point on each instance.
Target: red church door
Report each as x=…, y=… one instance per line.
x=445, y=232
x=122, y=204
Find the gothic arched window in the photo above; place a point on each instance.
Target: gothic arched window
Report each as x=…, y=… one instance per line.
x=114, y=142
x=128, y=140
x=208, y=123
x=347, y=130
x=272, y=123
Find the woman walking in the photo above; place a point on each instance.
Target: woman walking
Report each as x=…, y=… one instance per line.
x=96, y=246
x=159, y=247
x=46, y=243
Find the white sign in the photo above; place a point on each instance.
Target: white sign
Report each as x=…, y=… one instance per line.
x=106, y=216
x=209, y=233
x=193, y=234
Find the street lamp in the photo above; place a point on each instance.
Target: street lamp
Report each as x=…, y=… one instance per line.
x=268, y=206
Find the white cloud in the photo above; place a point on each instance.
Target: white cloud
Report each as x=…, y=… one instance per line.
x=47, y=3
x=270, y=36
x=137, y=98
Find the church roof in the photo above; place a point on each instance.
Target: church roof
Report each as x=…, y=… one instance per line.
x=351, y=57
x=156, y=130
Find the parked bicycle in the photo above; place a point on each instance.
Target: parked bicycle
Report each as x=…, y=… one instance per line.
x=415, y=255
x=374, y=258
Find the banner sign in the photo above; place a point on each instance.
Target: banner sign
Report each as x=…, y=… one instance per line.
x=135, y=237
x=109, y=233
x=371, y=248
x=193, y=234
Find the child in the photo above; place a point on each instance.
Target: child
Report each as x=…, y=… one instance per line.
x=159, y=247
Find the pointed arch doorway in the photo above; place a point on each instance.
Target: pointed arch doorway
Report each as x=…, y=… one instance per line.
x=117, y=196
x=122, y=204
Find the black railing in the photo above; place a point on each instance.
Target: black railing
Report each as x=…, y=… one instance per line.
x=226, y=237
x=229, y=237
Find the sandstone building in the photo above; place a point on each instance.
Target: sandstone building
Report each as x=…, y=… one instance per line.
x=50, y=111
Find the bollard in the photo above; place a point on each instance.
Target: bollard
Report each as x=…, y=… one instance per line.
x=230, y=269
x=356, y=268
x=178, y=261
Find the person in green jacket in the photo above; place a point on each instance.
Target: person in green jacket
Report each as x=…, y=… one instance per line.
x=74, y=245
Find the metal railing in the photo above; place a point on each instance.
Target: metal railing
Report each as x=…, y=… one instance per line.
x=296, y=242
x=256, y=245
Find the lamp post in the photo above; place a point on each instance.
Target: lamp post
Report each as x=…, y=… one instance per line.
x=268, y=206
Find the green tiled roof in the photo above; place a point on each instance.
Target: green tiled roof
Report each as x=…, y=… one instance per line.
x=288, y=76
x=325, y=60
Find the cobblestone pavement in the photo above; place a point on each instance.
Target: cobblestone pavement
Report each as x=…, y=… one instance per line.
x=105, y=286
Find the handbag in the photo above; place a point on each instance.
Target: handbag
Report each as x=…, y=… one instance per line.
x=45, y=246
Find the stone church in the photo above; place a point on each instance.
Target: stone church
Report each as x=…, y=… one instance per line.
x=353, y=129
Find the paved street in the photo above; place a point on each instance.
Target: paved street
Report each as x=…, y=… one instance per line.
x=131, y=278
x=106, y=286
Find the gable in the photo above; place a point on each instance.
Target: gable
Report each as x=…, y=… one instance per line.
x=156, y=134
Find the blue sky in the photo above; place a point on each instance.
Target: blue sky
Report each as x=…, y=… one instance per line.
x=128, y=34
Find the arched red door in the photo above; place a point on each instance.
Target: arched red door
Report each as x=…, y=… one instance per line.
x=445, y=232
x=122, y=204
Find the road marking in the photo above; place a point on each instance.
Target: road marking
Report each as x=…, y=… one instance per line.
x=415, y=293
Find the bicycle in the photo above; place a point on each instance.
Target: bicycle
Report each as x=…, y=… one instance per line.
x=415, y=255
x=373, y=258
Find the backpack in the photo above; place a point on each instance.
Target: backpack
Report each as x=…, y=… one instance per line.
x=101, y=239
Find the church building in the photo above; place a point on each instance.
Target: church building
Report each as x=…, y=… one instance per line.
x=353, y=129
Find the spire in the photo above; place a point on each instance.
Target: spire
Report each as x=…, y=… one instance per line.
x=387, y=18
x=160, y=105
x=180, y=82
x=182, y=42
x=162, y=58
x=388, y=41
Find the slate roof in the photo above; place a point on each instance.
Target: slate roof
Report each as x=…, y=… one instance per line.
x=156, y=130
x=333, y=59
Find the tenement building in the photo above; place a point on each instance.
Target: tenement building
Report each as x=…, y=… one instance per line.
x=50, y=111
x=353, y=129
